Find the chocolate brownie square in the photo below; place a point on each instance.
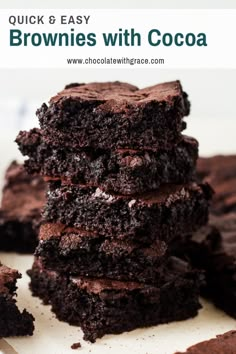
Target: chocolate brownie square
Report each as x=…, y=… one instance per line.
x=162, y=214
x=23, y=197
x=222, y=344
x=103, y=306
x=73, y=251
x=220, y=172
x=122, y=171
x=113, y=115
x=12, y=321
x=213, y=249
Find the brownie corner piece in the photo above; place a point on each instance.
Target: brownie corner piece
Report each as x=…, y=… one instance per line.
x=12, y=321
x=20, y=214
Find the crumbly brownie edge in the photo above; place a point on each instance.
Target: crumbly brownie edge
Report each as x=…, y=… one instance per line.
x=180, y=212
x=72, y=251
x=124, y=171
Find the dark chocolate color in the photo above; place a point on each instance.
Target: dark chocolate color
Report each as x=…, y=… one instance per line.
x=73, y=251
x=105, y=306
x=115, y=115
x=220, y=172
x=122, y=171
x=222, y=344
x=163, y=214
x=213, y=249
x=12, y=321
x=23, y=197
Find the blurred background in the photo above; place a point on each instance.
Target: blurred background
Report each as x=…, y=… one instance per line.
x=211, y=92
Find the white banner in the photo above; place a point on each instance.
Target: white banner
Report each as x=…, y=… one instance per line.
x=117, y=38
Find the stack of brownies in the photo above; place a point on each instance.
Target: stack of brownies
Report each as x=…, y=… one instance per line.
x=121, y=188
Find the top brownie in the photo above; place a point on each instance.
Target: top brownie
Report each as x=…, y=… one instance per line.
x=115, y=115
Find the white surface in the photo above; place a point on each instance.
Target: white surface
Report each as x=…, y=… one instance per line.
x=54, y=337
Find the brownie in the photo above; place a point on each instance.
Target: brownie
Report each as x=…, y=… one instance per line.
x=222, y=344
x=113, y=115
x=198, y=247
x=12, y=321
x=213, y=249
x=23, y=197
x=220, y=172
x=74, y=251
x=162, y=214
x=122, y=171
x=103, y=306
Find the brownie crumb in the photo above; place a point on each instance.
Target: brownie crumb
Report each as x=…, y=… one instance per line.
x=76, y=345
